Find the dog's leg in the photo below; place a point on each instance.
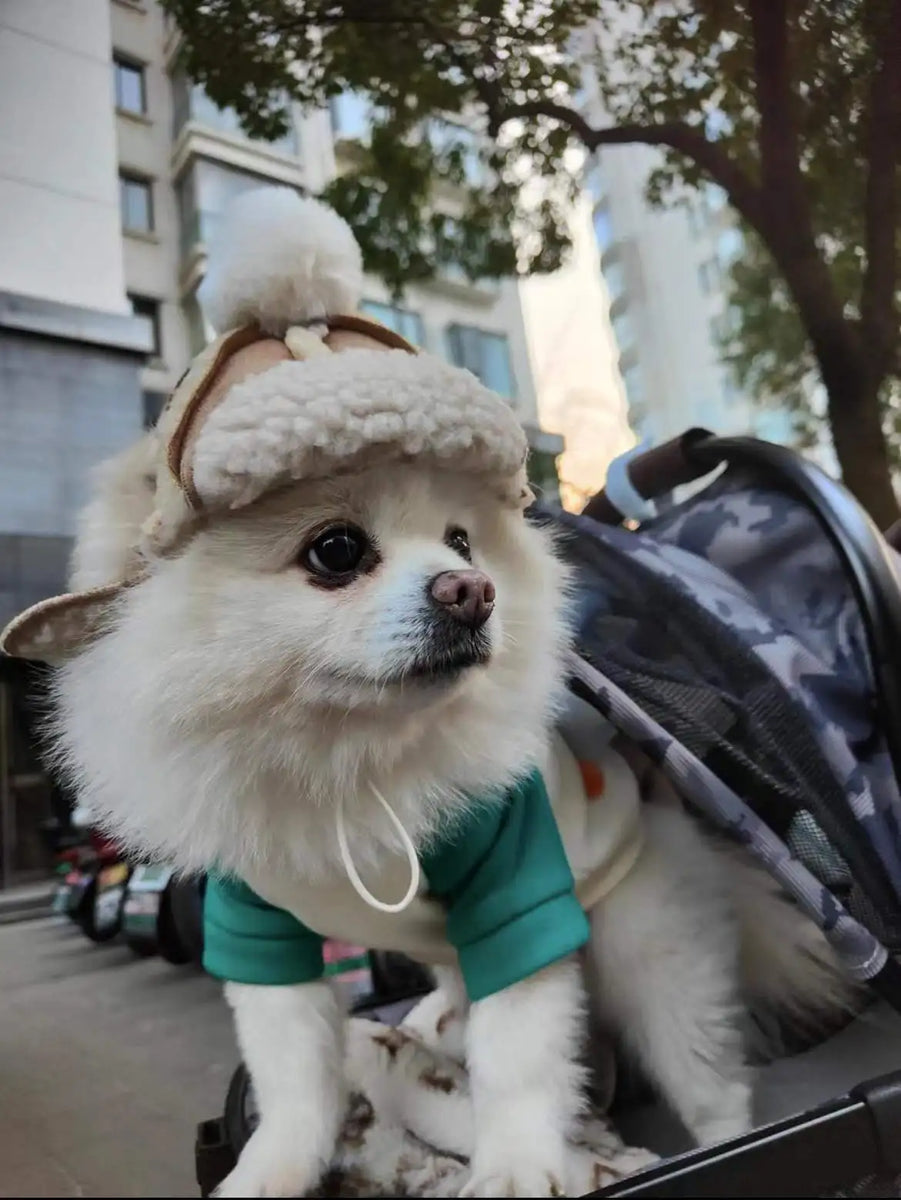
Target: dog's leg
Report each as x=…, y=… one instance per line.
x=665, y=952
x=523, y=1047
x=291, y=1040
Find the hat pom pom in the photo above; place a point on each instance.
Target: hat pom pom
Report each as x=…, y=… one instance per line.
x=278, y=259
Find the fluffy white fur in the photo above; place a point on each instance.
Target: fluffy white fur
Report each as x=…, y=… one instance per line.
x=294, y=1038
x=278, y=259
x=522, y=1047
x=232, y=701
x=244, y=680
x=307, y=420
x=109, y=525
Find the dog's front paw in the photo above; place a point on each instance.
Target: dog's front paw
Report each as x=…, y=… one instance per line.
x=520, y=1178
x=273, y=1163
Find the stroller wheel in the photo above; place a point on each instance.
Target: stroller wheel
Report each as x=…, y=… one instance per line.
x=241, y=1114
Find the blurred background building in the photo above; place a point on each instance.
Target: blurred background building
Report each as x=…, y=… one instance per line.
x=574, y=359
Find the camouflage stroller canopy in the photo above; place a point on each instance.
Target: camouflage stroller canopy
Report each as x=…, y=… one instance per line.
x=740, y=639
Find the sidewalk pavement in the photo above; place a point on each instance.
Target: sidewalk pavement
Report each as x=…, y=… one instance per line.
x=27, y=902
x=107, y=1064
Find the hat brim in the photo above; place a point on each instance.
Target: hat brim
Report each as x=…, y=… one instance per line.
x=55, y=629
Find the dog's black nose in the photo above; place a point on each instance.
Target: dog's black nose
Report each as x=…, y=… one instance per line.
x=467, y=596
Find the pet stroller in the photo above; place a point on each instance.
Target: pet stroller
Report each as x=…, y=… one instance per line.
x=748, y=641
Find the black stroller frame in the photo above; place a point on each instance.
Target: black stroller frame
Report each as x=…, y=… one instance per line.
x=852, y=1144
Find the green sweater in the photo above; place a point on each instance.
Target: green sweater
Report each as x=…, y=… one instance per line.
x=501, y=874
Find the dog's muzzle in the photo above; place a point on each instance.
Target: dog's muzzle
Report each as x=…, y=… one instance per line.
x=459, y=606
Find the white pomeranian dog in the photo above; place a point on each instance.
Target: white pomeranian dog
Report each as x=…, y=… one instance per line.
x=312, y=638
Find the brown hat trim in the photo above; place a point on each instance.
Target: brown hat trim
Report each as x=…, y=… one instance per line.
x=374, y=329
x=230, y=345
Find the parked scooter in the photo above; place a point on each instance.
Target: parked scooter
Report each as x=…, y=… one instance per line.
x=72, y=853
x=92, y=889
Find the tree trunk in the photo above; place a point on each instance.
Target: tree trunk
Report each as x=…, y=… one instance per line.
x=851, y=378
x=861, y=447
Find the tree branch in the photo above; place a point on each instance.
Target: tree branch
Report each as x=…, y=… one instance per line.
x=881, y=208
x=743, y=193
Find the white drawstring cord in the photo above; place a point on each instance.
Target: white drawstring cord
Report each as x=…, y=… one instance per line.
x=352, y=874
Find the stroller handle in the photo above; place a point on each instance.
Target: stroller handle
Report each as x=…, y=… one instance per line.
x=655, y=472
x=684, y=459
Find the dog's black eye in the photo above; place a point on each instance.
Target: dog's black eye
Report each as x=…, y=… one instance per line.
x=458, y=539
x=337, y=552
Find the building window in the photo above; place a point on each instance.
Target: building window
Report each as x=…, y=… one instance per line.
x=136, y=203
x=131, y=96
x=401, y=320
x=603, y=228
x=709, y=276
x=154, y=403
x=191, y=103
x=487, y=355
x=149, y=312
x=203, y=192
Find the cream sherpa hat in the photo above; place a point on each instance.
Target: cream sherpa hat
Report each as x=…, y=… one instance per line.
x=299, y=388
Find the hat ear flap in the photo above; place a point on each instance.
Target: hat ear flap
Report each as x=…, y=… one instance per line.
x=55, y=629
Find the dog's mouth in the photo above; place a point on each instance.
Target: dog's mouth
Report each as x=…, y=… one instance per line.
x=447, y=668
x=447, y=658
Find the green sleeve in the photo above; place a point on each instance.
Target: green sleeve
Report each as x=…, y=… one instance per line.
x=246, y=940
x=511, y=902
